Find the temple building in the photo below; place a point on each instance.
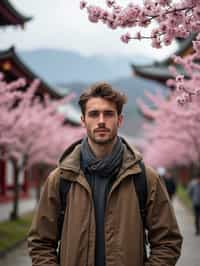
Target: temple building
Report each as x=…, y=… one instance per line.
x=13, y=67
x=10, y=16
x=159, y=71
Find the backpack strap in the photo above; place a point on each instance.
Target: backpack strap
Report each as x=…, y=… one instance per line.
x=64, y=187
x=140, y=182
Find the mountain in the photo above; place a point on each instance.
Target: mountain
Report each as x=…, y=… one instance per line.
x=71, y=71
x=60, y=66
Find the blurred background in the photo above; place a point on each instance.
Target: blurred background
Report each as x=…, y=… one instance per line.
x=53, y=42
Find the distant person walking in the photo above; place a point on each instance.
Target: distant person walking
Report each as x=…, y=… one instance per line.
x=194, y=192
x=168, y=180
x=170, y=184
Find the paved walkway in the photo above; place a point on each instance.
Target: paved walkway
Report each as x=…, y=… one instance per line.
x=191, y=243
x=17, y=257
x=24, y=206
x=190, y=253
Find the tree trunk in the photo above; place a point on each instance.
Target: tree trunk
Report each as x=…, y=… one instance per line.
x=14, y=215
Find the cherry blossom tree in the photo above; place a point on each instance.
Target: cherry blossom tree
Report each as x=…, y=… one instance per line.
x=167, y=19
x=32, y=132
x=173, y=136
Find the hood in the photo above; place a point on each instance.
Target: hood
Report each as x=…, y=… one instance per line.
x=70, y=159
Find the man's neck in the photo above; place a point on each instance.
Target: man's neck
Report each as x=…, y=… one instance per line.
x=102, y=150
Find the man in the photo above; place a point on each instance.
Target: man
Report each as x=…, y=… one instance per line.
x=102, y=224
x=194, y=192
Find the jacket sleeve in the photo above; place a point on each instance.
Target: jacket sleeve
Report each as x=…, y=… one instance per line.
x=163, y=232
x=42, y=242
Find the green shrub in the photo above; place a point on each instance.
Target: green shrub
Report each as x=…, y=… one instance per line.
x=12, y=232
x=184, y=197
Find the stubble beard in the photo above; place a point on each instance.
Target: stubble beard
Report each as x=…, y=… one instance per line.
x=107, y=141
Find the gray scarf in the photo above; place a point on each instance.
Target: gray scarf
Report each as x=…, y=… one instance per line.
x=108, y=166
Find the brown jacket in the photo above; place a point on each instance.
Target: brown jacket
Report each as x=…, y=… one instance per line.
x=123, y=226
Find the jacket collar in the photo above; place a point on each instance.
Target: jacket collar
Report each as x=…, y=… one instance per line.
x=70, y=160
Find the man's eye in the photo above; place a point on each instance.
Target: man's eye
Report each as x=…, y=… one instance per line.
x=93, y=114
x=109, y=113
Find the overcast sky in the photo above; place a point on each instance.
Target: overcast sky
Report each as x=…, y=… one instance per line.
x=61, y=24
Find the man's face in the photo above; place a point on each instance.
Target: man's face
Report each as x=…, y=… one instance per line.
x=101, y=120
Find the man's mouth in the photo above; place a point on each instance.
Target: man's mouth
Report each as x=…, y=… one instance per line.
x=101, y=130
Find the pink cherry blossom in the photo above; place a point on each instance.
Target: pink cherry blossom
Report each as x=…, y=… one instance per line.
x=110, y=3
x=173, y=19
x=32, y=132
x=174, y=133
x=83, y=4
x=126, y=38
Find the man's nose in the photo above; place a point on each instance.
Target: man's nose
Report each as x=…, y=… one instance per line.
x=101, y=118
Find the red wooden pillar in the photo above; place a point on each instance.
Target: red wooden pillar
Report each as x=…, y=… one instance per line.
x=25, y=184
x=3, y=189
x=184, y=175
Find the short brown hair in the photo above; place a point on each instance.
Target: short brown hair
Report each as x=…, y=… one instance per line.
x=103, y=90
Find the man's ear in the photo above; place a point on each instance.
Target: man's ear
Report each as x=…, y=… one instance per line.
x=82, y=121
x=120, y=120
